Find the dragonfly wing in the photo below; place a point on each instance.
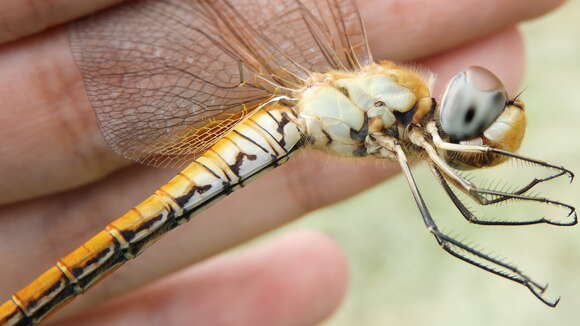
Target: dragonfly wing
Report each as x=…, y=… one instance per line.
x=167, y=78
x=300, y=36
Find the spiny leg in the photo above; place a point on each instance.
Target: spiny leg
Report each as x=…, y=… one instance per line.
x=478, y=194
x=464, y=252
x=472, y=218
x=441, y=144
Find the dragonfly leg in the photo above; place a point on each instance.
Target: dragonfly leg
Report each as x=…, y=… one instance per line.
x=464, y=252
x=472, y=218
x=439, y=143
x=488, y=196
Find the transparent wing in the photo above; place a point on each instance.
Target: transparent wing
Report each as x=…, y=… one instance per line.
x=167, y=78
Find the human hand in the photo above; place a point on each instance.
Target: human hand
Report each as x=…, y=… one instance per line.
x=61, y=183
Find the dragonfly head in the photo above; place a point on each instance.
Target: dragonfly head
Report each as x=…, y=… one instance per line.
x=476, y=110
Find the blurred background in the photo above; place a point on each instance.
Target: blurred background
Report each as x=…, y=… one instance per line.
x=400, y=276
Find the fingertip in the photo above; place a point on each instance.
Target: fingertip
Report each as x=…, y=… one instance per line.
x=402, y=30
x=541, y=7
x=503, y=53
x=304, y=277
x=320, y=271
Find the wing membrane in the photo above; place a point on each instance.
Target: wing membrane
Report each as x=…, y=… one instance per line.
x=167, y=78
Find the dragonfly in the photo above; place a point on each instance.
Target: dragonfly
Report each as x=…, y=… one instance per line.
x=202, y=84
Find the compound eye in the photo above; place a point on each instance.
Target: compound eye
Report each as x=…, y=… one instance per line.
x=473, y=100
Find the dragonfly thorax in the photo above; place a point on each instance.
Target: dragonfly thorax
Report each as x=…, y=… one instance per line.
x=339, y=111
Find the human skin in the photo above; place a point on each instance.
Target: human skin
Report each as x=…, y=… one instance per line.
x=60, y=183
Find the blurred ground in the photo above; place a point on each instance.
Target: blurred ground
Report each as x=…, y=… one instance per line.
x=401, y=277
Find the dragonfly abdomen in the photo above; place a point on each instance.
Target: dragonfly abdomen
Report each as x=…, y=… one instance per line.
x=263, y=141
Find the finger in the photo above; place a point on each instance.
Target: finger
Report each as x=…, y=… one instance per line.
x=306, y=182
x=408, y=30
x=58, y=144
x=298, y=279
x=52, y=141
x=39, y=15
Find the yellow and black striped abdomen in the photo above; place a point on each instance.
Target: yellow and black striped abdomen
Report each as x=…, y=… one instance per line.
x=262, y=141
